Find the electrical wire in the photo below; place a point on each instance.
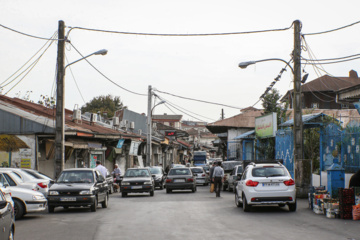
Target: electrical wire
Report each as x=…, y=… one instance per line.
x=29, y=35
x=178, y=35
x=102, y=74
x=332, y=30
x=330, y=59
x=184, y=112
x=75, y=81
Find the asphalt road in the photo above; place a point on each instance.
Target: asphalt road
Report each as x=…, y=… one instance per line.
x=183, y=215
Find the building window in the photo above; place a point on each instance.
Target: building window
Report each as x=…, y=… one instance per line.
x=344, y=106
x=315, y=105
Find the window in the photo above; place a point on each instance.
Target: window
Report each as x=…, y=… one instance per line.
x=9, y=180
x=268, y=172
x=344, y=106
x=315, y=105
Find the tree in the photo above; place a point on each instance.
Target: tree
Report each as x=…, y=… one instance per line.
x=103, y=104
x=47, y=101
x=270, y=103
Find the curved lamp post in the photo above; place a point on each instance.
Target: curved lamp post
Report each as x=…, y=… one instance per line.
x=60, y=112
x=245, y=64
x=148, y=139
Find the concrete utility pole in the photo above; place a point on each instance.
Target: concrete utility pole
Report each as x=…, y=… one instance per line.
x=60, y=100
x=302, y=166
x=149, y=128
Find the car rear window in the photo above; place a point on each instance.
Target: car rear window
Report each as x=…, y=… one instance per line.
x=269, y=172
x=196, y=170
x=179, y=172
x=137, y=173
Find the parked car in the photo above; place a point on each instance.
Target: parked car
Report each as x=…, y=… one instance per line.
x=42, y=184
x=228, y=167
x=137, y=180
x=179, y=179
x=36, y=174
x=78, y=187
x=201, y=177
x=159, y=176
x=8, y=178
x=264, y=184
x=7, y=220
x=177, y=166
x=234, y=177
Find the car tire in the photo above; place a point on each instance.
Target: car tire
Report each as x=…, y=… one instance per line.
x=123, y=194
x=18, y=208
x=11, y=235
x=292, y=207
x=246, y=206
x=51, y=209
x=237, y=201
x=94, y=206
x=105, y=203
x=152, y=193
x=168, y=190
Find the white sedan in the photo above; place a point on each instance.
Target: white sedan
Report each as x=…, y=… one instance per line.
x=265, y=184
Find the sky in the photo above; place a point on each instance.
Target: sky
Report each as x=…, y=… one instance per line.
x=197, y=67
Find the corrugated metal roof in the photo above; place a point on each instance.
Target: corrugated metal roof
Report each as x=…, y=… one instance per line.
x=306, y=119
x=246, y=135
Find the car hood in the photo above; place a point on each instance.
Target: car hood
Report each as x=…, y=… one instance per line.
x=136, y=179
x=24, y=194
x=70, y=186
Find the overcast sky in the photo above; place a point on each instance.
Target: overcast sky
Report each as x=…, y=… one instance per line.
x=204, y=68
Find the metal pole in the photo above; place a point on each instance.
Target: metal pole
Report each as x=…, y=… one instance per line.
x=60, y=101
x=149, y=123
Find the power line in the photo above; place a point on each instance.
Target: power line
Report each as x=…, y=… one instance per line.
x=331, y=59
x=106, y=76
x=75, y=81
x=29, y=35
x=177, y=34
x=332, y=30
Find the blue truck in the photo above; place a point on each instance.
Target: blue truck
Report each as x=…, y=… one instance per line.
x=199, y=158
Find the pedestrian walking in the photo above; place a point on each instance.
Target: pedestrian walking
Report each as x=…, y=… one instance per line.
x=218, y=178
x=211, y=172
x=101, y=168
x=117, y=174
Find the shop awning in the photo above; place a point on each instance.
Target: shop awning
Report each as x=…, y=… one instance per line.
x=247, y=135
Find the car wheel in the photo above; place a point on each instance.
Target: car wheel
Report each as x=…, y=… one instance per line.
x=168, y=190
x=152, y=193
x=19, y=209
x=246, y=206
x=237, y=201
x=292, y=207
x=123, y=194
x=94, y=206
x=105, y=203
x=11, y=235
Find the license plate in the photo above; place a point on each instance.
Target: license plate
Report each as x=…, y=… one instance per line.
x=136, y=187
x=68, y=199
x=201, y=180
x=179, y=180
x=270, y=184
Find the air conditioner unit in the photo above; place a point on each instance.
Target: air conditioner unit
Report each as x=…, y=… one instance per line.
x=123, y=125
x=116, y=121
x=132, y=125
x=177, y=125
x=140, y=131
x=77, y=114
x=93, y=118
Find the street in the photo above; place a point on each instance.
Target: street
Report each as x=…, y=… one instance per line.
x=183, y=215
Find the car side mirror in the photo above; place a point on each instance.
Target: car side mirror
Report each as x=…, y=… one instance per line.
x=51, y=181
x=239, y=176
x=3, y=204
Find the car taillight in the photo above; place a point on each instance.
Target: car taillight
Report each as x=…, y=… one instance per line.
x=42, y=185
x=251, y=183
x=203, y=175
x=289, y=182
x=190, y=179
x=168, y=180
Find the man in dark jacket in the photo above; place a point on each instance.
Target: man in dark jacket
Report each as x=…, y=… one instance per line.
x=355, y=180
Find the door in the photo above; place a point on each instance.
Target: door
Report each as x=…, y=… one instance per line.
x=101, y=185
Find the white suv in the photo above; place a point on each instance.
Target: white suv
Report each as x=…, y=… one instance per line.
x=265, y=184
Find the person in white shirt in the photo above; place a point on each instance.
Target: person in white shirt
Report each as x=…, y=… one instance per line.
x=218, y=178
x=101, y=168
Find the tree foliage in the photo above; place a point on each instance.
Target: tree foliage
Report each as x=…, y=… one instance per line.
x=103, y=104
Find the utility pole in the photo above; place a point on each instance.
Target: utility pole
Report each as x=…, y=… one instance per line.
x=302, y=166
x=60, y=100
x=222, y=114
x=149, y=123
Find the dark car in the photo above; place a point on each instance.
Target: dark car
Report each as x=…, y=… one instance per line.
x=78, y=187
x=179, y=179
x=159, y=176
x=234, y=177
x=137, y=180
x=7, y=219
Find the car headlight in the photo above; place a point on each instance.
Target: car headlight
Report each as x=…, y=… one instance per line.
x=85, y=192
x=125, y=183
x=147, y=183
x=53, y=193
x=38, y=197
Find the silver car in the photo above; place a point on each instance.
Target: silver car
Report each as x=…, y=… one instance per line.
x=180, y=179
x=201, y=176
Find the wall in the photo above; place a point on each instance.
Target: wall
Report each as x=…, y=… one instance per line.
x=28, y=155
x=316, y=179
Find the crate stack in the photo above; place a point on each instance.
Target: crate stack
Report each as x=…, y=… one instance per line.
x=346, y=201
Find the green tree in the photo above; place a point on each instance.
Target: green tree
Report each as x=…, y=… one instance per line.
x=271, y=103
x=105, y=104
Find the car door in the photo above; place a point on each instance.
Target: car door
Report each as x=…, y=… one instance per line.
x=101, y=185
x=240, y=185
x=5, y=217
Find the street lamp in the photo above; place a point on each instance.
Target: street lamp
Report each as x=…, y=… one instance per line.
x=148, y=140
x=60, y=108
x=245, y=64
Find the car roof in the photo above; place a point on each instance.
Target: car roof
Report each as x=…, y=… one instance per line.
x=79, y=169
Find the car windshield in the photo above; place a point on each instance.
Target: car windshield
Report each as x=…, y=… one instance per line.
x=269, y=172
x=197, y=170
x=137, y=173
x=179, y=172
x=206, y=168
x=155, y=170
x=76, y=177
